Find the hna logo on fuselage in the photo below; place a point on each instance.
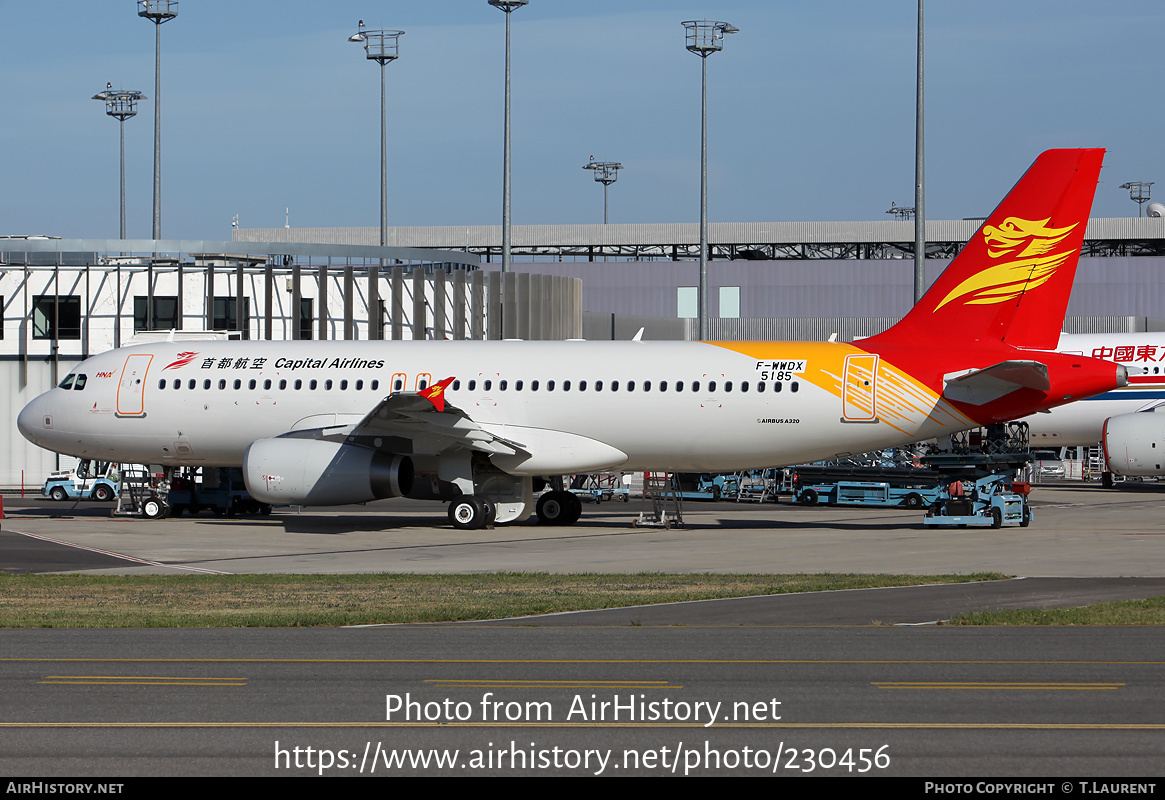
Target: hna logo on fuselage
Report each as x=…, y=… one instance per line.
x=1032, y=266
x=183, y=360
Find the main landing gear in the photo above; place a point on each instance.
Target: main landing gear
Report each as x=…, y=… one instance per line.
x=559, y=508
x=472, y=513
x=554, y=508
x=488, y=495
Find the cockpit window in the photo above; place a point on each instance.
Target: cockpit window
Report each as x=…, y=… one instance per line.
x=79, y=384
x=67, y=383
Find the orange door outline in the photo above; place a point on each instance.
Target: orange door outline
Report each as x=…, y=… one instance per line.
x=859, y=397
x=131, y=398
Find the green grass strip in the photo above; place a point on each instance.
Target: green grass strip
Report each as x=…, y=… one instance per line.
x=222, y=601
x=1123, y=612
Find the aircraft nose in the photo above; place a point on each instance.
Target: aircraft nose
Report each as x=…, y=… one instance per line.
x=31, y=421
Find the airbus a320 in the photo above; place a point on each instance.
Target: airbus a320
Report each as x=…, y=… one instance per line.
x=478, y=422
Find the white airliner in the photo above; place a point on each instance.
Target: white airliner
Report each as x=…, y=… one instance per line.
x=320, y=423
x=1128, y=422
x=1081, y=423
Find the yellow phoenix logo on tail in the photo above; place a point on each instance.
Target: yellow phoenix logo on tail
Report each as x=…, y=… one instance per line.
x=1032, y=265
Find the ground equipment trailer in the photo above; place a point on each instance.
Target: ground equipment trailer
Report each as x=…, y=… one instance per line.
x=980, y=490
x=865, y=486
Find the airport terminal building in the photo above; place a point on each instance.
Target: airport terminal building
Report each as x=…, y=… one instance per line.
x=778, y=280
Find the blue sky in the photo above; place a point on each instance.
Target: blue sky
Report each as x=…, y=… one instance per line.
x=267, y=106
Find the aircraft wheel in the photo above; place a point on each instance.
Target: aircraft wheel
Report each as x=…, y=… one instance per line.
x=558, y=508
x=1106, y=480
x=154, y=508
x=913, y=500
x=574, y=509
x=470, y=513
x=58, y=493
x=103, y=493
x=808, y=498
x=996, y=518
x=551, y=508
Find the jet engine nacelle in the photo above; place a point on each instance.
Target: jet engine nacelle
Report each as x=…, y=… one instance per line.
x=1134, y=444
x=321, y=473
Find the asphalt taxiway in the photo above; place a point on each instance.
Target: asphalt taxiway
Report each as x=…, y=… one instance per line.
x=1086, y=545
x=1079, y=531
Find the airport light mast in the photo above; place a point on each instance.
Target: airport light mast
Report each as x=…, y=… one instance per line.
x=157, y=12
x=1139, y=193
x=508, y=6
x=382, y=46
x=606, y=173
x=121, y=104
x=920, y=164
x=704, y=37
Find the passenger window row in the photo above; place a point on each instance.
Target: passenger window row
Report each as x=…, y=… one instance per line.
x=710, y=387
x=281, y=384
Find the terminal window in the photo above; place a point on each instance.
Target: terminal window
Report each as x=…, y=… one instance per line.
x=306, y=317
x=226, y=316
x=56, y=316
x=686, y=302
x=729, y=302
x=165, y=314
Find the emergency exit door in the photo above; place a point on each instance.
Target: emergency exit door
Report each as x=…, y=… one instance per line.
x=859, y=392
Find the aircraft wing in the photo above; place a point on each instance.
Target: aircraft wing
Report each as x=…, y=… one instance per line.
x=430, y=424
x=978, y=386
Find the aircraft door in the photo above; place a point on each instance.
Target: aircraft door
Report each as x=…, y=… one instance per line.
x=859, y=395
x=131, y=389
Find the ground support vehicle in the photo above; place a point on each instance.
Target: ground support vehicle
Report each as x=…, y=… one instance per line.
x=980, y=490
x=220, y=490
x=706, y=486
x=865, y=486
x=601, y=486
x=151, y=494
x=90, y=480
x=763, y=485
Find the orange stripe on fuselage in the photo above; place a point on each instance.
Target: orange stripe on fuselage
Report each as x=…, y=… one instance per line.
x=903, y=402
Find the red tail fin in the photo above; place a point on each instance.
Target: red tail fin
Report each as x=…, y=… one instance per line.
x=1012, y=281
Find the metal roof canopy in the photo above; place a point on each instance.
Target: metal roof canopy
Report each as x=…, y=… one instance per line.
x=1118, y=236
x=242, y=249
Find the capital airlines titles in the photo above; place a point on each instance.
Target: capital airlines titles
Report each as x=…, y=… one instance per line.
x=288, y=364
x=323, y=363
